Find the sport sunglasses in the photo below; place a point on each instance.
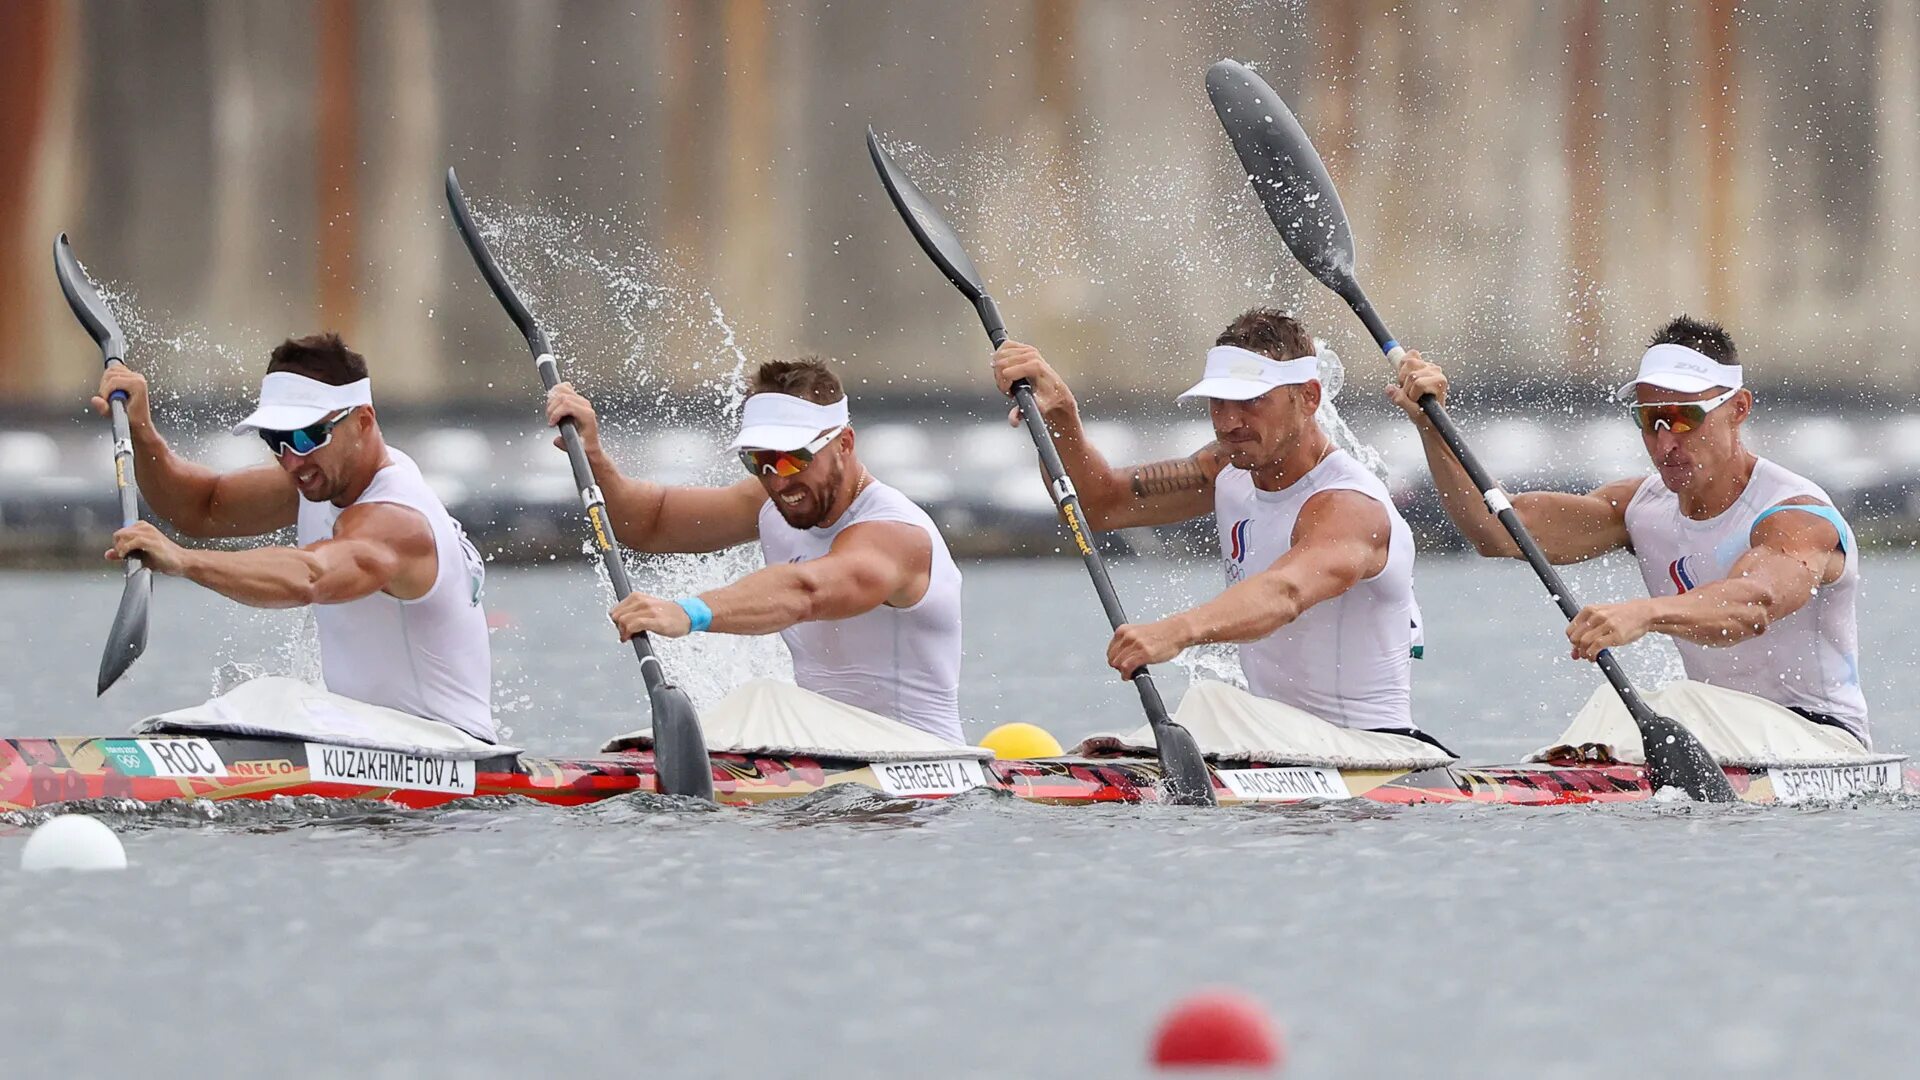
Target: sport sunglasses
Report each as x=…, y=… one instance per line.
x=304, y=441
x=1680, y=417
x=785, y=462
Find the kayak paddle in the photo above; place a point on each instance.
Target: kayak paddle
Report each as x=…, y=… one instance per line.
x=1299, y=196
x=1185, y=771
x=128, y=638
x=679, y=749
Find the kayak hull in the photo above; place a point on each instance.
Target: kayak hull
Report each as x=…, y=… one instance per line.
x=37, y=773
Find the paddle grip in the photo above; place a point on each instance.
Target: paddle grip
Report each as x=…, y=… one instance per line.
x=996, y=327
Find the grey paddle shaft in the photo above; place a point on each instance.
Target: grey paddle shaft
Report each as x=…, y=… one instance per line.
x=596, y=507
x=1671, y=750
x=679, y=748
x=1068, y=501
x=1502, y=508
x=123, y=465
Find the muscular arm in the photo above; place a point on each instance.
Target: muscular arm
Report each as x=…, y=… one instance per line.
x=1160, y=493
x=200, y=502
x=658, y=518
x=376, y=547
x=1569, y=527
x=1339, y=540
x=879, y=562
x=1157, y=493
x=1793, y=554
x=654, y=517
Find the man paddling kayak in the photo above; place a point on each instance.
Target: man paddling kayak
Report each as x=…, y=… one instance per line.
x=1319, y=563
x=1749, y=568
x=858, y=583
x=393, y=581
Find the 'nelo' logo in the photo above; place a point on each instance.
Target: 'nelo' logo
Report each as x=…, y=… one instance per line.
x=1237, y=540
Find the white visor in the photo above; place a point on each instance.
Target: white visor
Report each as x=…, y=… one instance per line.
x=289, y=402
x=785, y=422
x=1683, y=370
x=1237, y=374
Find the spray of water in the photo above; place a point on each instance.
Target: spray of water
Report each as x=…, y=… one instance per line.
x=627, y=326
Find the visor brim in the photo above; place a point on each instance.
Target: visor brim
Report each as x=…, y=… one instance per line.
x=1674, y=381
x=1228, y=389
x=282, y=418
x=774, y=437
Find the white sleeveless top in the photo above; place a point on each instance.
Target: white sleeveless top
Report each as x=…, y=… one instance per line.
x=429, y=657
x=903, y=663
x=1808, y=660
x=1348, y=660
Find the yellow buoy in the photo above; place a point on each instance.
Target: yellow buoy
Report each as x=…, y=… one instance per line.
x=1020, y=740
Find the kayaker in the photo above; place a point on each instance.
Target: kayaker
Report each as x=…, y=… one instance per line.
x=1748, y=566
x=393, y=581
x=858, y=583
x=1319, y=563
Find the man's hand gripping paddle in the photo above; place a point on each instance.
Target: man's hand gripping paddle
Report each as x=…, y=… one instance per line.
x=128, y=638
x=1299, y=196
x=679, y=749
x=1184, y=771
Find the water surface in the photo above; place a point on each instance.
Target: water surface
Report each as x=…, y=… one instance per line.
x=979, y=937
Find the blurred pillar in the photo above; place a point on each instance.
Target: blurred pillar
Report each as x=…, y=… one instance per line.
x=28, y=36
x=1718, y=87
x=1586, y=194
x=337, y=24
x=237, y=281
x=1897, y=133
x=754, y=267
x=408, y=278
x=1341, y=25
x=683, y=151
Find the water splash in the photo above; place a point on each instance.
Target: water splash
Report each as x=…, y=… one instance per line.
x=602, y=289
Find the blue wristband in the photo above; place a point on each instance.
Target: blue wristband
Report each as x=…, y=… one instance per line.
x=699, y=615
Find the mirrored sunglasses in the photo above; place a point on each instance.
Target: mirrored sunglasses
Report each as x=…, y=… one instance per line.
x=1679, y=417
x=303, y=441
x=785, y=462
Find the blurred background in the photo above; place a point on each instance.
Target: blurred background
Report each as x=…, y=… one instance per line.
x=682, y=190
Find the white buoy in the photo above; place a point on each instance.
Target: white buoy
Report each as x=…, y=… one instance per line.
x=73, y=842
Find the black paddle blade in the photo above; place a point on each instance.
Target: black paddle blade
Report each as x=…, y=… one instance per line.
x=1676, y=759
x=1183, y=769
x=928, y=224
x=503, y=289
x=679, y=749
x=1285, y=171
x=88, y=307
x=128, y=638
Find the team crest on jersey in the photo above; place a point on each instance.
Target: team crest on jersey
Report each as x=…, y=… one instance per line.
x=1236, y=551
x=1237, y=540
x=1685, y=573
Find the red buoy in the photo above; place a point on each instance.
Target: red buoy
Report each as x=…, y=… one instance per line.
x=1217, y=1029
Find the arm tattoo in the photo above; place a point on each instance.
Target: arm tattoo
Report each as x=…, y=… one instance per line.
x=1170, y=477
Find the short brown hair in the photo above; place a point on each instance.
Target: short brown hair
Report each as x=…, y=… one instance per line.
x=1709, y=339
x=320, y=357
x=805, y=377
x=1270, y=332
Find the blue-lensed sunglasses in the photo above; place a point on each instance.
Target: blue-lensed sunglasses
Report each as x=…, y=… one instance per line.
x=304, y=441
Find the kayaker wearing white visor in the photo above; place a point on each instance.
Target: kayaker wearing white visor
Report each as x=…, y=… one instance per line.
x=394, y=583
x=1319, y=563
x=858, y=583
x=1749, y=568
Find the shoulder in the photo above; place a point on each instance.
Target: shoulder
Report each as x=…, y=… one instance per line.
x=1343, y=512
x=1622, y=493
x=1819, y=530
x=396, y=525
